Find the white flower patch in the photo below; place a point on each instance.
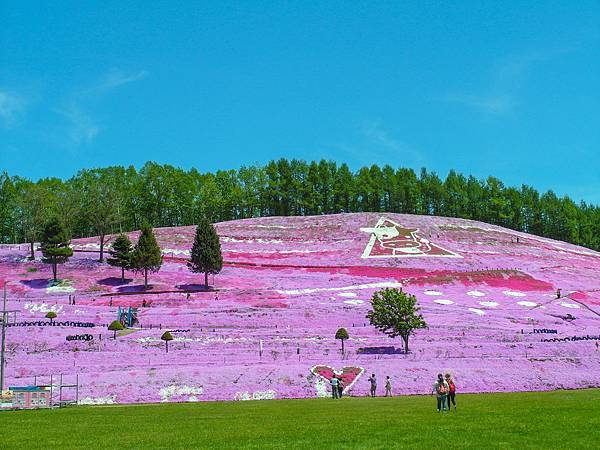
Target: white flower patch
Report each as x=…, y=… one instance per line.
x=321, y=387
x=269, y=226
x=528, y=304
x=569, y=305
x=514, y=294
x=175, y=251
x=168, y=392
x=60, y=289
x=579, y=252
x=489, y=304
x=251, y=241
x=353, y=302
x=385, y=284
x=109, y=400
x=270, y=252
x=444, y=302
x=476, y=294
x=87, y=246
x=479, y=312
x=257, y=395
x=433, y=293
x=43, y=308
x=347, y=294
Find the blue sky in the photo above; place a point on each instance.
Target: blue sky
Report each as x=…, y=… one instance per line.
x=505, y=88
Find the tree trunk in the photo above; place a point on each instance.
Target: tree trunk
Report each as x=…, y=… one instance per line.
x=167, y=346
x=206, y=280
x=54, y=268
x=115, y=335
x=145, y=278
x=101, y=248
x=122, y=274
x=32, y=256
x=405, y=339
x=342, y=347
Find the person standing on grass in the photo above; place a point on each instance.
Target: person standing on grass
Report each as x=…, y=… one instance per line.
x=334, y=387
x=440, y=388
x=451, y=391
x=373, y=382
x=388, y=386
x=340, y=387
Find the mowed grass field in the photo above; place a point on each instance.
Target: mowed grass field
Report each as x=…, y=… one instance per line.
x=542, y=420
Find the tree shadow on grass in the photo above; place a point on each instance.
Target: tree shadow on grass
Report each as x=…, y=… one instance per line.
x=134, y=288
x=194, y=287
x=114, y=281
x=37, y=283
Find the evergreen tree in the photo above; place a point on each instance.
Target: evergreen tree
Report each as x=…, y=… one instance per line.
x=206, y=252
x=395, y=313
x=120, y=253
x=146, y=256
x=55, y=244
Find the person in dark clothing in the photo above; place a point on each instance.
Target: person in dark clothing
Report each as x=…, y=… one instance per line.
x=340, y=387
x=335, y=387
x=373, y=382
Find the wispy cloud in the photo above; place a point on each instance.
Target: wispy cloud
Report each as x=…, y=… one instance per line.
x=506, y=81
x=374, y=132
x=11, y=107
x=82, y=127
x=491, y=103
x=376, y=144
x=114, y=79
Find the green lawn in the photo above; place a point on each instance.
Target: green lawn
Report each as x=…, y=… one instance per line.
x=561, y=419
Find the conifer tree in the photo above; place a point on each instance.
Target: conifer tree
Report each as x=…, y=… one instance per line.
x=120, y=253
x=55, y=244
x=147, y=256
x=206, y=252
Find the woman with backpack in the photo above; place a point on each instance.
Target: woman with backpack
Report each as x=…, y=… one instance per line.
x=440, y=388
x=451, y=391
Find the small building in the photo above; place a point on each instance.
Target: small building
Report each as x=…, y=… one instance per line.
x=30, y=397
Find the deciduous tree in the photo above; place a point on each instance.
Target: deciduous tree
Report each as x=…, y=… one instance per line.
x=395, y=313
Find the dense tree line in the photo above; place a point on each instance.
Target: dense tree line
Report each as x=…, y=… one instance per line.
x=113, y=199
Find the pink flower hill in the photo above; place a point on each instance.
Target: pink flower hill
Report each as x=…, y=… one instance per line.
x=488, y=294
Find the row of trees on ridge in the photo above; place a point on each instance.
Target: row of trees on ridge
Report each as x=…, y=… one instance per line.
x=109, y=200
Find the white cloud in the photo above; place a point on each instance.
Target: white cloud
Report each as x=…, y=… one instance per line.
x=116, y=78
x=496, y=104
x=386, y=148
x=82, y=127
x=11, y=106
x=506, y=80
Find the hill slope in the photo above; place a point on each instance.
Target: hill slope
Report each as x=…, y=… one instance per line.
x=288, y=284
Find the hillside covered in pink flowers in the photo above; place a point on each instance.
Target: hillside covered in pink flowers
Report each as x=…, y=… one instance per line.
x=266, y=329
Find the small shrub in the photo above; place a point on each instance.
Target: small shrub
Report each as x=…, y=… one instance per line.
x=116, y=326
